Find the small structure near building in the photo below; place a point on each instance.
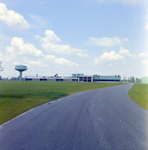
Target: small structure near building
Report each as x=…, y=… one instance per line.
x=20, y=68
x=145, y=79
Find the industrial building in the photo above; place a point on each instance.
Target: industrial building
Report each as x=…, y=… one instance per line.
x=78, y=77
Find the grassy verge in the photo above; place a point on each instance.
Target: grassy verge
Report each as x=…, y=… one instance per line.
x=139, y=94
x=18, y=97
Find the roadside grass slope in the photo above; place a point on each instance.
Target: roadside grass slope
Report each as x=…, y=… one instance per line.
x=139, y=94
x=18, y=97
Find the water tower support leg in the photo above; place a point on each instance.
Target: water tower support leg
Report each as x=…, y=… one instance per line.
x=20, y=79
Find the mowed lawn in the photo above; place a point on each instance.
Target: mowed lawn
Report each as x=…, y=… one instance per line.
x=17, y=97
x=139, y=94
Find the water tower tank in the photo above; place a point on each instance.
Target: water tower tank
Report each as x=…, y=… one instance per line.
x=20, y=68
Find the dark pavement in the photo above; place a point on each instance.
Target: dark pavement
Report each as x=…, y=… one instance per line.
x=103, y=119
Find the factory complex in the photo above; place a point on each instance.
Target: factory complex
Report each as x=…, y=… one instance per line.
x=75, y=78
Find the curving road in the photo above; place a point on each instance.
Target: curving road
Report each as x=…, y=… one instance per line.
x=103, y=119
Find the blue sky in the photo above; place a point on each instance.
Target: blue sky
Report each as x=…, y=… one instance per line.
x=105, y=37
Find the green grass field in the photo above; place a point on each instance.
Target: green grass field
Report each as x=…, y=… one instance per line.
x=139, y=94
x=18, y=97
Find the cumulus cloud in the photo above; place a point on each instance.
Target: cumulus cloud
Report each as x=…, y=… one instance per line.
x=146, y=27
x=124, y=1
x=16, y=63
x=114, y=56
x=60, y=61
x=146, y=17
x=1, y=57
x=105, y=41
x=50, y=37
x=12, y=19
x=7, y=57
x=126, y=52
x=144, y=62
x=143, y=54
x=128, y=1
x=18, y=46
x=96, y=61
x=37, y=37
x=5, y=37
x=111, y=56
x=51, y=60
x=50, y=44
x=81, y=53
x=27, y=53
x=37, y=63
x=125, y=39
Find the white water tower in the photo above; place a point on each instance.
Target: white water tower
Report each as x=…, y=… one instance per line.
x=20, y=68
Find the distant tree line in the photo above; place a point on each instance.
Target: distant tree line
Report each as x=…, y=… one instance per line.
x=131, y=79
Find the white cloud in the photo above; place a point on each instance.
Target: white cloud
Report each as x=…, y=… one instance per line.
x=34, y=62
x=10, y=57
x=5, y=37
x=12, y=19
x=30, y=55
x=111, y=56
x=146, y=17
x=125, y=39
x=50, y=37
x=114, y=56
x=105, y=41
x=1, y=57
x=143, y=54
x=129, y=1
x=126, y=52
x=81, y=53
x=49, y=43
x=146, y=27
x=124, y=1
x=96, y=61
x=6, y=58
x=37, y=37
x=16, y=63
x=17, y=46
x=60, y=61
x=144, y=62
x=37, y=63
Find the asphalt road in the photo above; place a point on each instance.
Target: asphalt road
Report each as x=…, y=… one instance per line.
x=103, y=119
